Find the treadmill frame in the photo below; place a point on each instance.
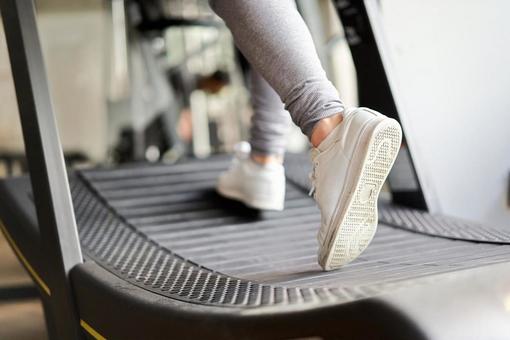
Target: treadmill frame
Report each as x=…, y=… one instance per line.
x=55, y=214
x=374, y=89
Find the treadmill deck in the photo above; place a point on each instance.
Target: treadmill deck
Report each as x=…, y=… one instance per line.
x=164, y=229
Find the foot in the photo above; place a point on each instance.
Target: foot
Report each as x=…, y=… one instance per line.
x=349, y=168
x=259, y=186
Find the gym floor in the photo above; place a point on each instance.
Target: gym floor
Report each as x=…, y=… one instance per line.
x=19, y=319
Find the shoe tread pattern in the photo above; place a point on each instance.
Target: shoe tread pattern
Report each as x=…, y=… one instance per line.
x=360, y=221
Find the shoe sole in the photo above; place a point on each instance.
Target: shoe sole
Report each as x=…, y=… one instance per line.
x=255, y=203
x=354, y=225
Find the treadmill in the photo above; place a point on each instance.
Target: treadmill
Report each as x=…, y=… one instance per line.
x=152, y=252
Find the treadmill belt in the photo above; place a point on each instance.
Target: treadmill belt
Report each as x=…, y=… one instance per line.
x=165, y=229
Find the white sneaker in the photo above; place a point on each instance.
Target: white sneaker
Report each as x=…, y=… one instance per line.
x=256, y=185
x=349, y=169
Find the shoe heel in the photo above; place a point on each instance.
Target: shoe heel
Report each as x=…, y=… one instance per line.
x=359, y=224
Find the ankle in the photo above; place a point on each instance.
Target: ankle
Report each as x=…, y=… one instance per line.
x=323, y=128
x=265, y=159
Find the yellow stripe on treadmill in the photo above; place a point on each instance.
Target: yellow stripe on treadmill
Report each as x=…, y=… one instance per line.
x=91, y=331
x=23, y=259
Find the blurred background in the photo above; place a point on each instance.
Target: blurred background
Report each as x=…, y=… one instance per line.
x=126, y=89
x=130, y=85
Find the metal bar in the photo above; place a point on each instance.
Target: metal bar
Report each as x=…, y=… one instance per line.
x=59, y=236
x=166, y=22
x=21, y=292
x=374, y=89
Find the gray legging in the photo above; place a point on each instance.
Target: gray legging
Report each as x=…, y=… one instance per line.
x=273, y=37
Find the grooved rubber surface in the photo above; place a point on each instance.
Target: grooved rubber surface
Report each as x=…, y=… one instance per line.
x=164, y=229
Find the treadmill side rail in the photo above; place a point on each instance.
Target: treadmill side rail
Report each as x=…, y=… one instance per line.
x=58, y=232
x=375, y=92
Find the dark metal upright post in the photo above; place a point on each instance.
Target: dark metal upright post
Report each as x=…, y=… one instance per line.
x=374, y=91
x=59, y=237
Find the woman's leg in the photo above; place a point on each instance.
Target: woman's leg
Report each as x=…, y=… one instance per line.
x=270, y=121
x=350, y=160
x=274, y=38
x=258, y=178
